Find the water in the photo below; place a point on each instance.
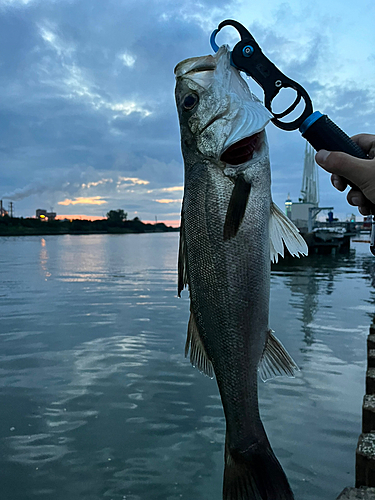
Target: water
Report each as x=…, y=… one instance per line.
x=98, y=402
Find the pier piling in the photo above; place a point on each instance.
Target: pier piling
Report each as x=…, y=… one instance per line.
x=365, y=452
x=357, y=494
x=368, y=413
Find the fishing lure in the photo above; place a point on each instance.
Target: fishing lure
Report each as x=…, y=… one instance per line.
x=315, y=127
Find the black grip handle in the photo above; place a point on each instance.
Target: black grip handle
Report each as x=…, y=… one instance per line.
x=325, y=134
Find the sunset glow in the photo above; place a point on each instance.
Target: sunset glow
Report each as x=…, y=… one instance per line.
x=166, y=200
x=93, y=200
x=79, y=216
x=172, y=222
x=173, y=188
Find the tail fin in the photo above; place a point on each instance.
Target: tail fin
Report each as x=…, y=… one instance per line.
x=254, y=475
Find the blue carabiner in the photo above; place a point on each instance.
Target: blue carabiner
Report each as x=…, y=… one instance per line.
x=214, y=45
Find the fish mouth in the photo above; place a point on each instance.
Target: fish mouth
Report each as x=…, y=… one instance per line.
x=243, y=151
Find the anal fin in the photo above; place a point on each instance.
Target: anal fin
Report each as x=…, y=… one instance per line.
x=276, y=361
x=198, y=355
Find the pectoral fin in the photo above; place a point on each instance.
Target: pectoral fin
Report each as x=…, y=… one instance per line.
x=283, y=231
x=275, y=360
x=198, y=355
x=236, y=208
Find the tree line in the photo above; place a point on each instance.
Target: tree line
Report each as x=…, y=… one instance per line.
x=116, y=222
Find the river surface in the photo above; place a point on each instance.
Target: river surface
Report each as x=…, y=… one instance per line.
x=98, y=402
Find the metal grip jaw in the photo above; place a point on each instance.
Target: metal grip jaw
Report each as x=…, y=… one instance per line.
x=247, y=56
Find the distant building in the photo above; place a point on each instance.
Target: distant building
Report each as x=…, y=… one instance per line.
x=288, y=207
x=44, y=215
x=367, y=221
x=304, y=212
x=2, y=209
x=310, y=179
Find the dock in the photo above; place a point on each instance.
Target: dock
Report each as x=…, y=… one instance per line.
x=365, y=453
x=327, y=240
x=330, y=236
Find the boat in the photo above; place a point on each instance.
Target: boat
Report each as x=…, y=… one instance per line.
x=320, y=238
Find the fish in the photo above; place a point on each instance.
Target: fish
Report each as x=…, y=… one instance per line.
x=230, y=232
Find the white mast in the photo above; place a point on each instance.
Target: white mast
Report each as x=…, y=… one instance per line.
x=310, y=180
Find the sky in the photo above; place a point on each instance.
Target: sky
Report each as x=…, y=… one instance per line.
x=88, y=121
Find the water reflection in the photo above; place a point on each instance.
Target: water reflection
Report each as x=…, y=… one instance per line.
x=100, y=253
x=43, y=256
x=312, y=282
x=328, y=300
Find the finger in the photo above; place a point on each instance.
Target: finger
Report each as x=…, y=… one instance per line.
x=366, y=142
x=364, y=210
x=338, y=182
x=357, y=198
x=353, y=169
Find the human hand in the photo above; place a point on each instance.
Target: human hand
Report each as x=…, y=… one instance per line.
x=361, y=173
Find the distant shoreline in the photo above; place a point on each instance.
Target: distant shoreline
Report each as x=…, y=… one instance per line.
x=35, y=227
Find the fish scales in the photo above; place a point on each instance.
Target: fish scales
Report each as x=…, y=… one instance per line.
x=230, y=230
x=231, y=302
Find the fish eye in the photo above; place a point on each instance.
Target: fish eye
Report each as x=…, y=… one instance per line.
x=190, y=101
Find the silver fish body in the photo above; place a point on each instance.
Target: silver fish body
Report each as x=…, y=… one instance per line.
x=228, y=271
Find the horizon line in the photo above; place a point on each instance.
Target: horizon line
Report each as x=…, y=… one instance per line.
x=167, y=222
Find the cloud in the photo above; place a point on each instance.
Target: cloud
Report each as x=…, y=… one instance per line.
x=127, y=59
x=171, y=189
x=67, y=181
x=93, y=200
x=97, y=183
x=65, y=73
x=132, y=180
x=129, y=107
x=14, y=3
x=21, y=193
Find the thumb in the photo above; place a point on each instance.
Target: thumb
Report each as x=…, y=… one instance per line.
x=335, y=162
